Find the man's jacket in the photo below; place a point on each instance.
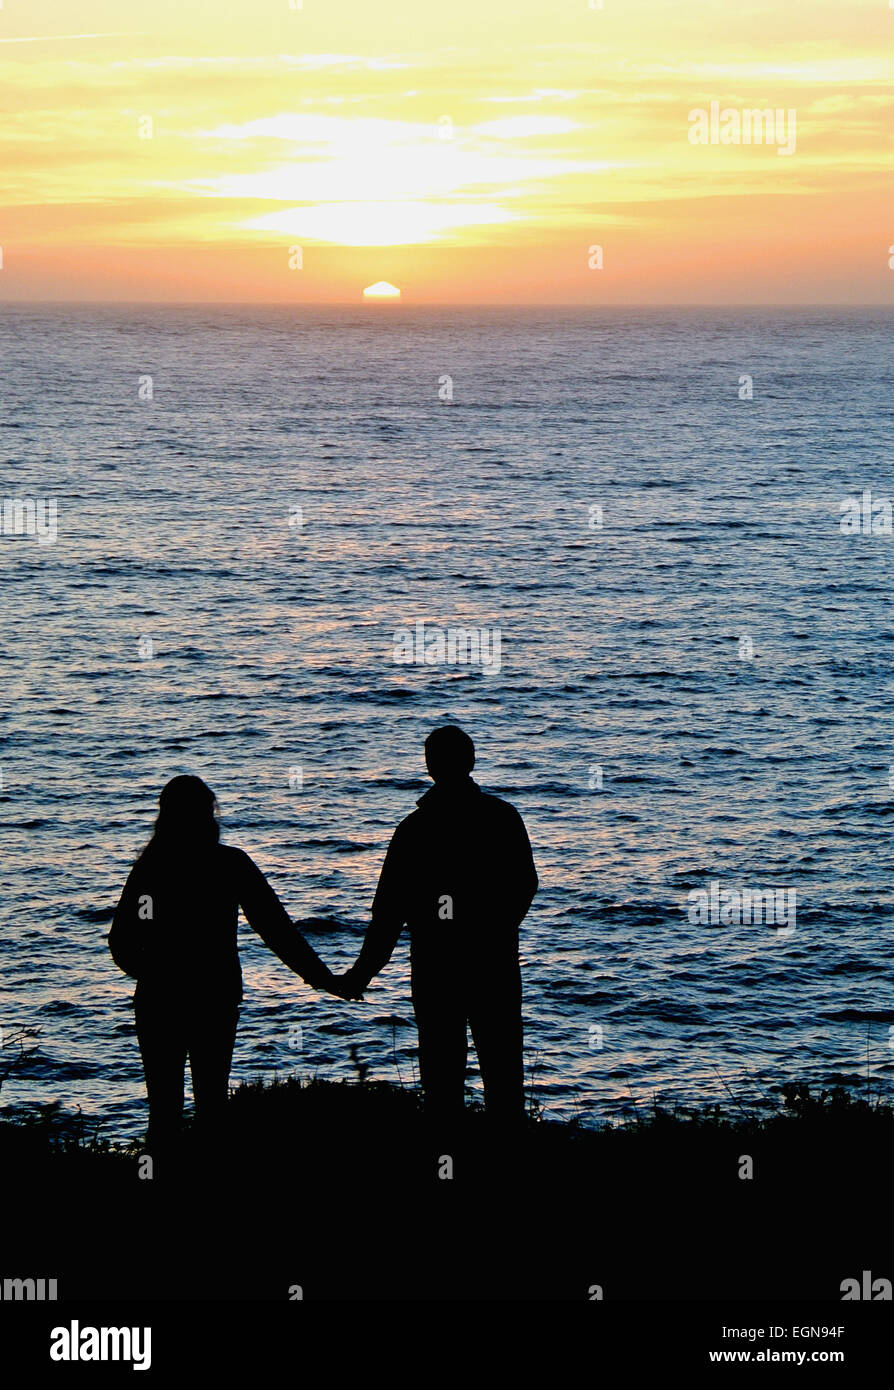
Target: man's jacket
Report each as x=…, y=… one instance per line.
x=460, y=873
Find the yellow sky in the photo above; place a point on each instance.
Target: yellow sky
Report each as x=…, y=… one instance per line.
x=466, y=152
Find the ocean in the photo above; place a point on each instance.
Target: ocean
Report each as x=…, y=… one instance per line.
x=693, y=693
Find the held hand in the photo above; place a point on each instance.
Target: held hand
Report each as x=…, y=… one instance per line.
x=346, y=986
x=327, y=983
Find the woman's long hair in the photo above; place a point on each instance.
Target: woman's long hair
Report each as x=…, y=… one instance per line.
x=187, y=823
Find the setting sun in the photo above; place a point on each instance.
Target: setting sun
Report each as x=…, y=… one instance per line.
x=381, y=290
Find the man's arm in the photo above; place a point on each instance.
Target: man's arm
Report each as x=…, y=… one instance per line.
x=523, y=879
x=388, y=916
x=267, y=916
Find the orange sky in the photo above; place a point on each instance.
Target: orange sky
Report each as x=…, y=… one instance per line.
x=467, y=152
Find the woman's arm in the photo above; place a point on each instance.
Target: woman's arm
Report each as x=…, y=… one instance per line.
x=127, y=931
x=267, y=916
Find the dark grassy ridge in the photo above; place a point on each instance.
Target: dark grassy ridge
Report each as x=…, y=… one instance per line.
x=335, y=1187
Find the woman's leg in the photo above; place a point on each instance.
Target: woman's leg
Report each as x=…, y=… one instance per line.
x=212, y=1035
x=163, y=1050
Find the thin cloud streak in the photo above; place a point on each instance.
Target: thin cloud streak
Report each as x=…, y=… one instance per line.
x=61, y=38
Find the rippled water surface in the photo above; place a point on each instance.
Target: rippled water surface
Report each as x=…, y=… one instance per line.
x=621, y=650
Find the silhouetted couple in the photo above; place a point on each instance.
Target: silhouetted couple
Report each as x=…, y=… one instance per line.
x=459, y=872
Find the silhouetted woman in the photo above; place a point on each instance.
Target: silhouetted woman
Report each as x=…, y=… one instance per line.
x=174, y=931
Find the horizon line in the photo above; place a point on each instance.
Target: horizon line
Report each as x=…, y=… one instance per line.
x=398, y=304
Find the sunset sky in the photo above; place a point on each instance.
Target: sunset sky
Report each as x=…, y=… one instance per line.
x=467, y=152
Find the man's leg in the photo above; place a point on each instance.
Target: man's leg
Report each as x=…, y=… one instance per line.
x=212, y=1035
x=163, y=1050
x=443, y=1049
x=496, y=1019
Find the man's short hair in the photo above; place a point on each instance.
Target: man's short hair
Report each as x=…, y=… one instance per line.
x=449, y=752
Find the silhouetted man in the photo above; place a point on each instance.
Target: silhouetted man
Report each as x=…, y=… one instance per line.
x=459, y=871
